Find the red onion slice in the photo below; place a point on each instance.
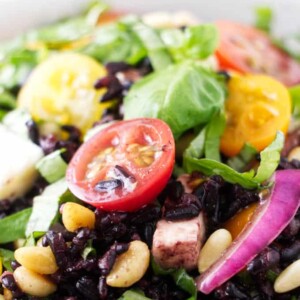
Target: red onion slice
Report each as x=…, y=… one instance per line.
x=270, y=218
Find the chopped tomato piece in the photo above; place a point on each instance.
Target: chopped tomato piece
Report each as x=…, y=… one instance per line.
x=238, y=222
x=249, y=50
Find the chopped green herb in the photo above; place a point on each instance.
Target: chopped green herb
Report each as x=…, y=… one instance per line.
x=52, y=167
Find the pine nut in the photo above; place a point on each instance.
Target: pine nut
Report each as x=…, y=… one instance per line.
x=75, y=216
x=288, y=279
x=213, y=248
x=130, y=266
x=7, y=294
x=294, y=153
x=33, y=283
x=37, y=259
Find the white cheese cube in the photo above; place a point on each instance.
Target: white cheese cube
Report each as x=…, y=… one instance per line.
x=18, y=157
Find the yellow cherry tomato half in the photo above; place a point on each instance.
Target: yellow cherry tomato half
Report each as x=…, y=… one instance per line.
x=257, y=106
x=61, y=90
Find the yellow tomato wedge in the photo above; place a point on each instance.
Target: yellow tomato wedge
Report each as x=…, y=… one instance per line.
x=257, y=106
x=237, y=223
x=61, y=90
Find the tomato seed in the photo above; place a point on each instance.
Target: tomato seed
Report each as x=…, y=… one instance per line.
x=108, y=185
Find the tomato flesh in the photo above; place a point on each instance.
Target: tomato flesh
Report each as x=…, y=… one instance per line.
x=257, y=106
x=248, y=50
x=124, y=166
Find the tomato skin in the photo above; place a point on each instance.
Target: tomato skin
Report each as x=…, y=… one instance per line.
x=248, y=50
x=237, y=223
x=61, y=90
x=257, y=106
x=150, y=179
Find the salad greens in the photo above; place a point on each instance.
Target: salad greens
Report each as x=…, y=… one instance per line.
x=6, y=257
x=269, y=161
x=241, y=161
x=182, y=90
x=45, y=207
x=7, y=103
x=197, y=42
x=183, y=95
x=115, y=42
x=133, y=294
x=180, y=277
x=214, y=131
x=13, y=227
x=52, y=166
x=264, y=18
x=295, y=96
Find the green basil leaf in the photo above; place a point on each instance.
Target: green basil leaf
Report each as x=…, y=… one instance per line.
x=31, y=239
x=240, y=161
x=180, y=277
x=7, y=102
x=214, y=130
x=156, y=49
x=52, y=167
x=212, y=167
x=115, y=42
x=269, y=161
x=195, y=42
x=264, y=18
x=158, y=270
x=45, y=207
x=184, y=96
x=269, y=158
x=134, y=294
x=295, y=96
x=7, y=257
x=200, y=41
x=13, y=227
x=186, y=282
x=196, y=147
x=88, y=250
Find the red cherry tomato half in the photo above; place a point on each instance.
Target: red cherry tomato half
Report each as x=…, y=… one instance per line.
x=248, y=50
x=124, y=166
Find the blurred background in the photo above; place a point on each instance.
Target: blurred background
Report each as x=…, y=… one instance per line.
x=17, y=16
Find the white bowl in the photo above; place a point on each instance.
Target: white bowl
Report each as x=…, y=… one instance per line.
x=17, y=16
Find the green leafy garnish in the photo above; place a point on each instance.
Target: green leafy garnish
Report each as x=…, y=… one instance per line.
x=7, y=102
x=7, y=257
x=52, y=166
x=45, y=207
x=115, y=42
x=13, y=227
x=295, y=97
x=269, y=161
x=214, y=131
x=88, y=250
x=31, y=239
x=180, y=277
x=183, y=95
x=133, y=294
x=157, y=50
x=195, y=42
x=264, y=18
x=240, y=161
x=186, y=282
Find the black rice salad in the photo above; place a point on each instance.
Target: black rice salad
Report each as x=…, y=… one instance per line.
x=151, y=157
